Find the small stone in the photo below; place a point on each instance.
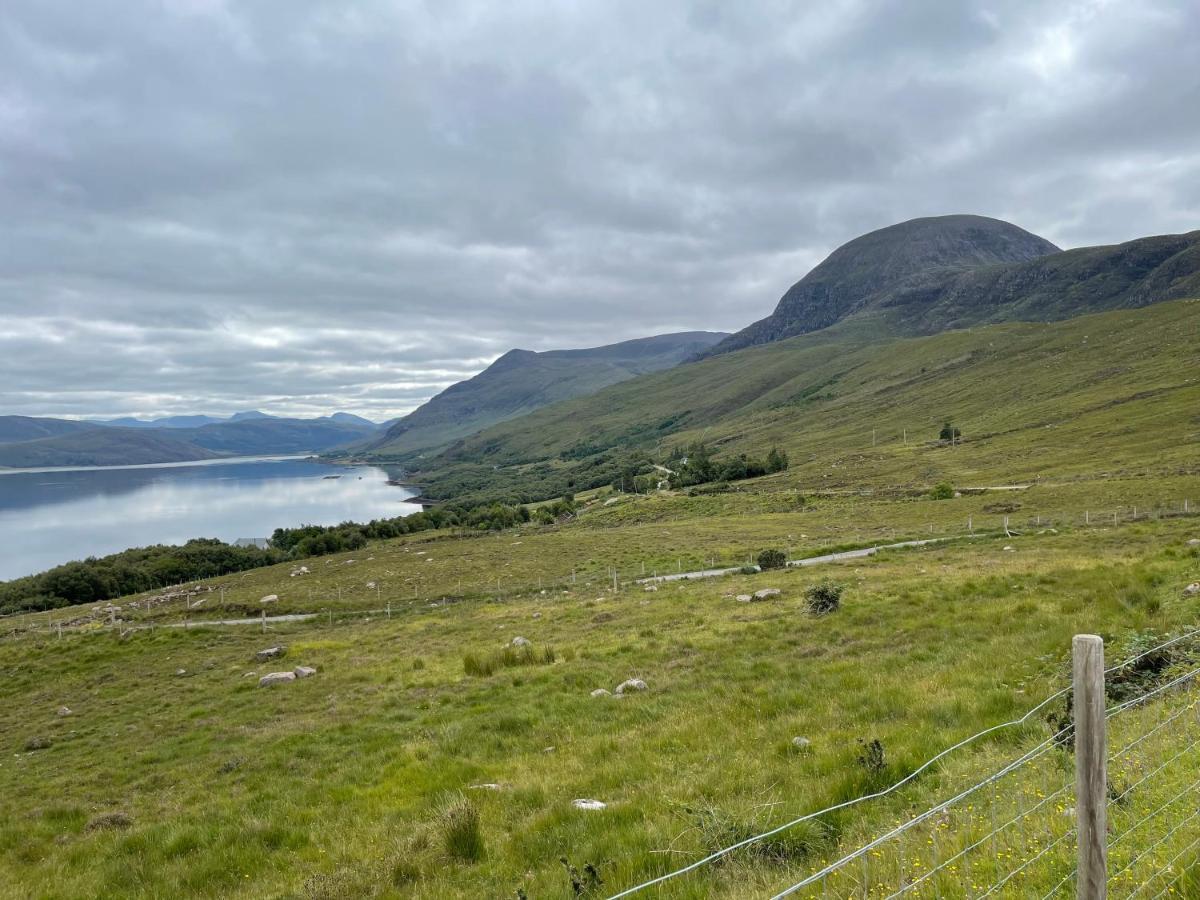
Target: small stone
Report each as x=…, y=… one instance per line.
x=1192, y=589
x=601, y=692
x=1008, y=549
x=371, y=585
x=585, y=803
x=537, y=615
x=270, y=598
x=801, y=743
x=767, y=593
x=64, y=711
x=486, y=786
x=650, y=588
x=744, y=598
x=519, y=641
x=276, y=678
x=180, y=672
x=633, y=684
x=304, y=671
x=269, y=653
x=1194, y=542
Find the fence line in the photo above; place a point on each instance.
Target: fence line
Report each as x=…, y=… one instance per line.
x=1060, y=832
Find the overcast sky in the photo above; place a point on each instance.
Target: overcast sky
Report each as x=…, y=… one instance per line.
x=304, y=206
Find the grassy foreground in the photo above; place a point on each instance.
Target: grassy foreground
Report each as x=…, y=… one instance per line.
x=175, y=774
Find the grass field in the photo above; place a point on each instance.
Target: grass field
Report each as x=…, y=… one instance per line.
x=357, y=782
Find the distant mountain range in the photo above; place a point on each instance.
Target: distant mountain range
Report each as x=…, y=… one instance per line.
x=28, y=442
x=522, y=381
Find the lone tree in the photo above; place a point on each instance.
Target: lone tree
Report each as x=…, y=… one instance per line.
x=949, y=433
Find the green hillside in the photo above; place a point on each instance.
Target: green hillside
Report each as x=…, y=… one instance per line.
x=931, y=275
x=1110, y=390
x=522, y=381
x=28, y=428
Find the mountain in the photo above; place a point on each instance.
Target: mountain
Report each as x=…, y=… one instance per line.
x=166, y=422
x=344, y=418
x=250, y=436
x=1090, y=393
x=249, y=414
x=26, y=428
x=103, y=446
x=870, y=270
x=930, y=275
x=28, y=442
x=521, y=381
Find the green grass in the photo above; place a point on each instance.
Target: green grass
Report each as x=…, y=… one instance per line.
x=350, y=783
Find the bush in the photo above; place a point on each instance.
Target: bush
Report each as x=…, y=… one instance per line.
x=949, y=433
x=458, y=823
x=771, y=559
x=823, y=598
x=943, y=490
x=507, y=658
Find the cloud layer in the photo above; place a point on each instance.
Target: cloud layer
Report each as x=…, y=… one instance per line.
x=309, y=205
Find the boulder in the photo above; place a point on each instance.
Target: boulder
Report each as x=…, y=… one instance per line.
x=601, y=692
x=276, y=678
x=633, y=684
x=650, y=588
x=767, y=593
x=1192, y=589
x=304, y=671
x=801, y=743
x=519, y=641
x=744, y=598
x=585, y=803
x=269, y=653
x=270, y=598
x=1194, y=542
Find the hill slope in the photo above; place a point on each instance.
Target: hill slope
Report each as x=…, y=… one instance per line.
x=868, y=271
x=930, y=275
x=102, y=447
x=28, y=428
x=521, y=381
x=1117, y=384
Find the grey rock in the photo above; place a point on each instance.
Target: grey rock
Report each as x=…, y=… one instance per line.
x=767, y=593
x=601, y=692
x=801, y=743
x=744, y=598
x=519, y=641
x=304, y=671
x=270, y=598
x=269, y=653
x=633, y=684
x=64, y=711
x=1192, y=589
x=276, y=678
x=586, y=803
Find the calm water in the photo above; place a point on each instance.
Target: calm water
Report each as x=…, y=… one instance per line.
x=51, y=516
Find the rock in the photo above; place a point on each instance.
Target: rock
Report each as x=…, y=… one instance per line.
x=801, y=743
x=269, y=653
x=650, y=588
x=584, y=803
x=276, y=678
x=519, y=641
x=371, y=585
x=601, y=692
x=1192, y=589
x=270, y=598
x=487, y=786
x=37, y=743
x=767, y=593
x=304, y=671
x=633, y=684
x=179, y=673
x=1194, y=542
x=1008, y=549
x=63, y=711
x=744, y=598
x=537, y=615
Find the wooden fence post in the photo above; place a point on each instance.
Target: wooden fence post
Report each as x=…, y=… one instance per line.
x=1091, y=795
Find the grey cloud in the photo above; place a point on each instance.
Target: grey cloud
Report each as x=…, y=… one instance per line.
x=308, y=205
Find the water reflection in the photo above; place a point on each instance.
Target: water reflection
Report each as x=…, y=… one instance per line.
x=51, y=516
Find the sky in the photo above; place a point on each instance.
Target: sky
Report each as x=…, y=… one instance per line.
x=304, y=206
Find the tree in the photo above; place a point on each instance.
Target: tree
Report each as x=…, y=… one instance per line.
x=949, y=433
x=771, y=559
x=777, y=460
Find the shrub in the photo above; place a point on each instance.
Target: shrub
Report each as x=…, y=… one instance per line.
x=461, y=833
x=949, y=433
x=823, y=598
x=771, y=559
x=507, y=658
x=109, y=821
x=943, y=490
x=747, y=570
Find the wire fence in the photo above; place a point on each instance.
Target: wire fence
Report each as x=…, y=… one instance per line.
x=1015, y=831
